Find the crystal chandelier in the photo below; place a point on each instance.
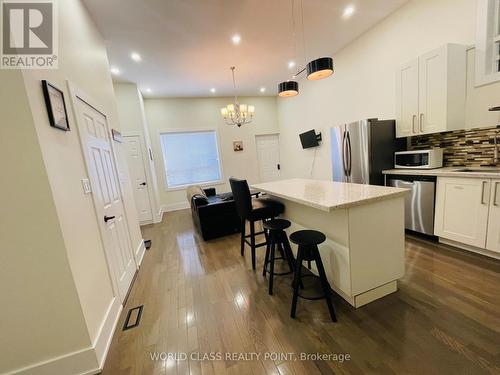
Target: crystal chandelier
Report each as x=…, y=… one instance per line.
x=236, y=113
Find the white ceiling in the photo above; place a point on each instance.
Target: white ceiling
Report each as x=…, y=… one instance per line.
x=186, y=45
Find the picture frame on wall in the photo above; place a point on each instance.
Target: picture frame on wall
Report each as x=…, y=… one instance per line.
x=238, y=146
x=56, y=106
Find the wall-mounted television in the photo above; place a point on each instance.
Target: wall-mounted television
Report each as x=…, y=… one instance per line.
x=310, y=139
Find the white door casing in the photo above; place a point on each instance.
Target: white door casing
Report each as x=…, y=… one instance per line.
x=268, y=156
x=106, y=192
x=138, y=177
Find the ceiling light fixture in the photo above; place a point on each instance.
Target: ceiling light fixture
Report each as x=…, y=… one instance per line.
x=348, y=11
x=212, y=90
x=291, y=64
x=236, y=113
x=148, y=90
x=115, y=71
x=236, y=39
x=262, y=89
x=136, y=57
x=320, y=68
x=288, y=89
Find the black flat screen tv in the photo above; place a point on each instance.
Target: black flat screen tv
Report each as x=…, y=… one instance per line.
x=309, y=139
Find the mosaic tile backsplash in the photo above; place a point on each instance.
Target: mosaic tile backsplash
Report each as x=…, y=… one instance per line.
x=469, y=148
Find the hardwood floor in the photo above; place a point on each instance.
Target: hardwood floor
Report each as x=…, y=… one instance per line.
x=203, y=297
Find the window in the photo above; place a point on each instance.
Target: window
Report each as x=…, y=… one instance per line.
x=488, y=42
x=191, y=157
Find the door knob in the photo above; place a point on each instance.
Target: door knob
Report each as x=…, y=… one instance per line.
x=143, y=184
x=108, y=218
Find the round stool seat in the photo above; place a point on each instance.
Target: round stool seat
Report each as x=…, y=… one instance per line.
x=277, y=224
x=307, y=237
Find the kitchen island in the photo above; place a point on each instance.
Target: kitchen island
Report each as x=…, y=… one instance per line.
x=364, y=254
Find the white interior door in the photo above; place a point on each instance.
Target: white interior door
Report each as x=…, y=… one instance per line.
x=138, y=177
x=268, y=155
x=106, y=193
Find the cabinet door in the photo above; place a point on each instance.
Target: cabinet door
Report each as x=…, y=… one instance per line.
x=462, y=206
x=407, y=99
x=432, y=117
x=493, y=238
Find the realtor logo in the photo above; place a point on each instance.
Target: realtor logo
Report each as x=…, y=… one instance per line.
x=29, y=34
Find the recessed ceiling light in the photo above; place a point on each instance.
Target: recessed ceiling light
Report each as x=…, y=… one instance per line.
x=115, y=71
x=348, y=11
x=148, y=90
x=212, y=90
x=262, y=89
x=135, y=56
x=236, y=39
x=291, y=64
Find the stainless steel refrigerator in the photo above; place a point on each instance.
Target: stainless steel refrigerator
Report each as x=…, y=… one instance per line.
x=361, y=150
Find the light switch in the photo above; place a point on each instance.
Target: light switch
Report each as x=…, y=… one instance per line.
x=87, y=189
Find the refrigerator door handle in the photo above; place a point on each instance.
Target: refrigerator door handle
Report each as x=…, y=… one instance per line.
x=344, y=150
x=349, y=148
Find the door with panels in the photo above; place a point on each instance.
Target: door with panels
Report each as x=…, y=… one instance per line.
x=94, y=133
x=137, y=168
x=268, y=156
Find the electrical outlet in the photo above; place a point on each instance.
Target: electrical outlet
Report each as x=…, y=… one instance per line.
x=87, y=189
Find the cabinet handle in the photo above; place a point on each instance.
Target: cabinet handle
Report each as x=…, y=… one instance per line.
x=495, y=194
x=482, y=191
x=413, y=124
x=421, y=123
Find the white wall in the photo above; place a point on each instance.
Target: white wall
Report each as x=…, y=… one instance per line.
x=363, y=84
x=40, y=311
x=169, y=114
x=49, y=326
x=130, y=104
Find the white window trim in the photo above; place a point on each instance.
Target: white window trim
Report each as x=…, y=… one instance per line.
x=485, y=43
x=222, y=181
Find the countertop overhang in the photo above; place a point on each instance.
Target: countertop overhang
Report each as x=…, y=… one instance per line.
x=446, y=172
x=328, y=195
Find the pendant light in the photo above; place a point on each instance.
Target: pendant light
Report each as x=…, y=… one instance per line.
x=288, y=88
x=320, y=68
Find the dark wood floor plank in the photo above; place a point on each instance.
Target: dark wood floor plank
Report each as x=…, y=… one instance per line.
x=203, y=297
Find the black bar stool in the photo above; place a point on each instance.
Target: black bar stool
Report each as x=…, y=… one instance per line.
x=308, y=241
x=277, y=238
x=259, y=209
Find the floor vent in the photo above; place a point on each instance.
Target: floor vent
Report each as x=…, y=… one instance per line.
x=133, y=318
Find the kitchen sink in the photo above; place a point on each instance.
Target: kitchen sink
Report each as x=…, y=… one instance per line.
x=478, y=170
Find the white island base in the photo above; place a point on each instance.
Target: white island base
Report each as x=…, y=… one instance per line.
x=364, y=254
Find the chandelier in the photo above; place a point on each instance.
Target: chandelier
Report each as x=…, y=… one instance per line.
x=236, y=113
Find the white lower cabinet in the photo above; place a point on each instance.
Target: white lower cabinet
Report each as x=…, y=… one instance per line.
x=493, y=236
x=462, y=210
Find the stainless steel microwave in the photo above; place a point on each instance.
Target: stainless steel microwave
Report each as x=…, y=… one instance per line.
x=419, y=159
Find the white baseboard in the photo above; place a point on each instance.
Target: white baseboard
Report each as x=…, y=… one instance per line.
x=175, y=206
x=82, y=362
x=89, y=361
x=474, y=249
x=105, y=335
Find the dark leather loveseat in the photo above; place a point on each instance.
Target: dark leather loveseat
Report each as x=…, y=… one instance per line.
x=214, y=215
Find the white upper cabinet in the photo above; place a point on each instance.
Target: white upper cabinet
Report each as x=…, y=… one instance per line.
x=493, y=237
x=431, y=92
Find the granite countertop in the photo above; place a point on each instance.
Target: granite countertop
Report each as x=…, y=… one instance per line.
x=478, y=172
x=328, y=195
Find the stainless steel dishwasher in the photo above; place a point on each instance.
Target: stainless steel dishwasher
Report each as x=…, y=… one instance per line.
x=419, y=205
